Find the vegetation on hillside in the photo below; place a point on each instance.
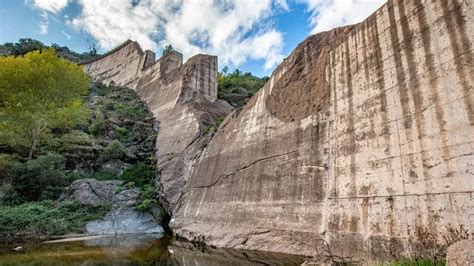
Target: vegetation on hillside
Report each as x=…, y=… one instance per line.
x=238, y=87
x=168, y=49
x=26, y=45
x=45, y=218
x=39, y=92
x=55, y=128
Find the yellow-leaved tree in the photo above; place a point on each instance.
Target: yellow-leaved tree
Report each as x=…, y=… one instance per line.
x=38, y=92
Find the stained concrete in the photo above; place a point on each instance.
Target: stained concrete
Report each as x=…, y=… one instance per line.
x=362, y=134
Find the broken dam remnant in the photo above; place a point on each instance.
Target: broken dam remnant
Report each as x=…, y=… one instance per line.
x=363, y=134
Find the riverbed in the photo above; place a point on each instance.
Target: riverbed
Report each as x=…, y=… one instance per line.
x=134, y=250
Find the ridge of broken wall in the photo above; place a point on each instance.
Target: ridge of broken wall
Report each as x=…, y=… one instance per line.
x=182, y=98
x=379, y=145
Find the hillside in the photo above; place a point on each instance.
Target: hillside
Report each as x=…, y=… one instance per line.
x=26, y=45
x=115, y=142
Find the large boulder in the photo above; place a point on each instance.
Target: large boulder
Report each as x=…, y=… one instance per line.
x=124, y=218
x=461, y=253
x=91, y=192
x=125, y=221
x=96, y=193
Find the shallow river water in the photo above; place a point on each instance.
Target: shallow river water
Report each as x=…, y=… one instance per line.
x=134, y=250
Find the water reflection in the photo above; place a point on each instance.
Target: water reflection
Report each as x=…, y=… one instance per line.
x=136, y=250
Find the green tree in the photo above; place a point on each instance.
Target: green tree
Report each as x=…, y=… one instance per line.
x=225, y=70
x=38, y=92
x=24, y=46
x=168, y=49
x=40, y=178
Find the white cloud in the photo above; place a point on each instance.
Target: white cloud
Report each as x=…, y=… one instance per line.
x=328, y=14
x=235, y=30
x=67, y=35
x=44, y=23
x=53, y=6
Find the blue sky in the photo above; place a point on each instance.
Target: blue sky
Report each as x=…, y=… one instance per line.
x=252, y=35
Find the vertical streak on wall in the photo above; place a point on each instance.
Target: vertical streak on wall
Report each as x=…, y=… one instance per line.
x=401, y=85
x=334, y=144
x=456, y=24
x=350, y=124
x=418, y=115
x=432, y=70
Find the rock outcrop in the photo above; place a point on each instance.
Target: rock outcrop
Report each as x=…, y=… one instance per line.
x=125, y=221
x=362, y=133
x=92, y=192
x=123, y=218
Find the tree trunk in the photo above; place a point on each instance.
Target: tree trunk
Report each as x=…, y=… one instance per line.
x=35, y=136
x=33, y=147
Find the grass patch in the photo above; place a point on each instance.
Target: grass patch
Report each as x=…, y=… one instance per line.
x=46, y=218
x=414, y=262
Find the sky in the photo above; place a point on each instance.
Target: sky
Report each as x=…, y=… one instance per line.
x=251, y=35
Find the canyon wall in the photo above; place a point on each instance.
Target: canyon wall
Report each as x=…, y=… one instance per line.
x=362, y=136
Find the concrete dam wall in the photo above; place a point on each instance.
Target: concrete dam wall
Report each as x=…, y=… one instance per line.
x=362, y=135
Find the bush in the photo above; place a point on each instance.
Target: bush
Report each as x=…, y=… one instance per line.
x=6, y=164
x=146, y=205
x=105, y=175
x=140, y=174
x=46, y=218
x=74, y=140
x=98, y=125
x=148, y=199
x=8, y=195
x=133, y=112
x=122, y=133
x=99, y=89
x=39, y=179
x=115, y=150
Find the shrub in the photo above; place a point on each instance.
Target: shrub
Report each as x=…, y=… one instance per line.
x=122, y=133
x=39, y=179
x=8, y=195
x=148, y=200
x=46, y=218
x=115, y=150
x=6, y=165
x=140, y=174
x=146, y=205
x=133, y=111
x=100, y=89
x=219, y=120
x=105, y=175
x=74, y=140
x=98, y=125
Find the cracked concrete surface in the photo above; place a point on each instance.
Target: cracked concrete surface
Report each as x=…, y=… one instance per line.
x=392, y=140
x=360, y=134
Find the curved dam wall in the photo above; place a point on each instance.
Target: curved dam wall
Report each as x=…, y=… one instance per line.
x=363, y=135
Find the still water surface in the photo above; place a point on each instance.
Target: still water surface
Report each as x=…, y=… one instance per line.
x=135, y=250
